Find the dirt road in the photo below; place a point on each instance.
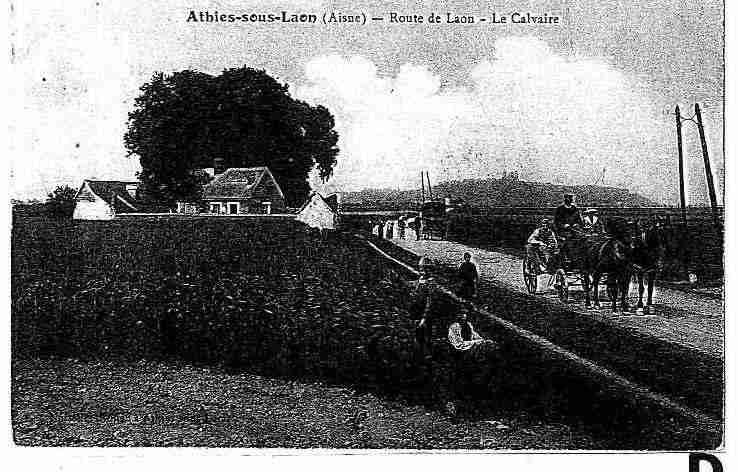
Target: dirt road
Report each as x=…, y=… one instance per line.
x=689, y=319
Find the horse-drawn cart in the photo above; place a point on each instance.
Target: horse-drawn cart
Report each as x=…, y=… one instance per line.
x=558, y=274
x=614, y=257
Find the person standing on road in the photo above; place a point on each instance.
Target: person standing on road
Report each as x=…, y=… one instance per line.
x=401, y=227
x=468, y=278
x=388, y=229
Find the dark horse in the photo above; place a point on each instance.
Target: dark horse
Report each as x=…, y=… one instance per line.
x=607, y=255
x=647, y=259
x=595, y=255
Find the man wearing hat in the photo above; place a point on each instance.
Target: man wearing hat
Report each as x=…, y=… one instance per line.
x=567, y=223
x=591, y=221
x=542, y=244
x=567, y=216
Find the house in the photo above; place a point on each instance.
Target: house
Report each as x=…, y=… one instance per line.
x=103, y=199
x=241, y=190
x=320, y=212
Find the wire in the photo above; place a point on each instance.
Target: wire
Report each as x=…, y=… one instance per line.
x=691, y=118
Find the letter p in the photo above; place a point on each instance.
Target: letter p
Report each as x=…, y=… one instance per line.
x=696, y=457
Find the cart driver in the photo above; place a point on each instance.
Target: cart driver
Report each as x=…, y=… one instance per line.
x=568, y=225
x=542, y=244
x=567, y=217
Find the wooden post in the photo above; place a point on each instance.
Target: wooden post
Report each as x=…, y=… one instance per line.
x=708, y=170
x=422, y=189
x=682, y=199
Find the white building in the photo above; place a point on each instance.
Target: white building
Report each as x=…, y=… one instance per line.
x=102, y=199
x=320, y=212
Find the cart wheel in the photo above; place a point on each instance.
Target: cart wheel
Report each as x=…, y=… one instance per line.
x=530, y=277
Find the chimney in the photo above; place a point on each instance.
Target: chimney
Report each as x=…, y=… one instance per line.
x=218, y=165
x=132, y=190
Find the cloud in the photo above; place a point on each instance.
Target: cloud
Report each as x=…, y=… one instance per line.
x=526, y=109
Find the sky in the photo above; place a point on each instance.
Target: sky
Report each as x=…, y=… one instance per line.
x=556, y=103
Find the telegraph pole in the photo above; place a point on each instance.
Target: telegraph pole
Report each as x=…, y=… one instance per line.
x=682, y=200
x=708, y=170
x=422, y=189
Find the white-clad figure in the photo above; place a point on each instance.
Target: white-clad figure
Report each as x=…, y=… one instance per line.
x=388, y=229
x=410, y=229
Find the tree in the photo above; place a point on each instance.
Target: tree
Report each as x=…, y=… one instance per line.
x=60, y=202
x=183, y=121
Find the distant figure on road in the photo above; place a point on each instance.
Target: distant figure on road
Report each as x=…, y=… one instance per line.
x=414, y=224
x=541, y=245
x=377, y=231
x=388, y=229
x=401, y=227
x=468, y=277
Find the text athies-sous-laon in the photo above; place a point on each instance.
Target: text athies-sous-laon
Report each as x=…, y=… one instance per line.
x=389, y=17
x=282, y=17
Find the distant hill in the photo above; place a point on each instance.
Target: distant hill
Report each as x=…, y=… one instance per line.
x=506, y=191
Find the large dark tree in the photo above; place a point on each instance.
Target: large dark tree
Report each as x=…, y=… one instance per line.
x=183, y=121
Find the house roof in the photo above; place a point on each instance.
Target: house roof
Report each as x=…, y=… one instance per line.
x=237, y=182
x=328, y=202
x=114, y=193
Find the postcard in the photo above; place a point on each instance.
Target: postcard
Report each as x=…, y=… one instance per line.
x=420, y=233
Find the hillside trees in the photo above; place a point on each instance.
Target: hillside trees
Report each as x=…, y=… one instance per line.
x=181, y=122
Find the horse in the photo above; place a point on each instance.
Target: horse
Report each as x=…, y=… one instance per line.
x=646, y=261
x=606, y=255
x=595, y=255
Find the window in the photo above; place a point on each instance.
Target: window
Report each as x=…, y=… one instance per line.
x=215, y=208
x=267, y=207
x=233, y=208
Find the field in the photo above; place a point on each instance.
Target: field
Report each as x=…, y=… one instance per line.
x=147, y=403
x=215, y=301
x=268, y=295
x=268, y=298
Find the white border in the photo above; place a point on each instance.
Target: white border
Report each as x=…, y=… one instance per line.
x=16, y=458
